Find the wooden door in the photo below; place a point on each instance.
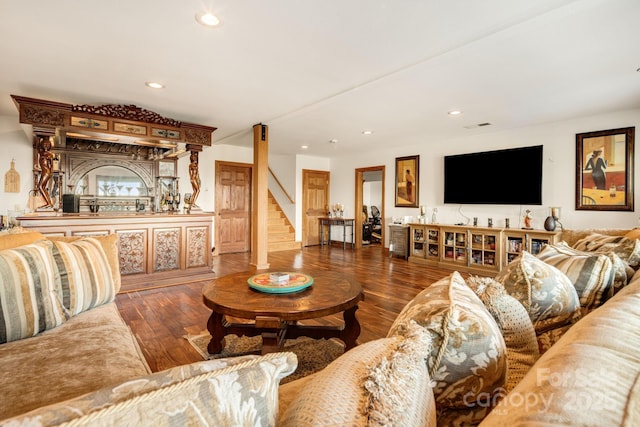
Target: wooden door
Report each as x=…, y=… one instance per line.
x=359, y=191
x=315, y=204
x=233, y=207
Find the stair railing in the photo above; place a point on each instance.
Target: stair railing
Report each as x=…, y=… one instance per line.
x=281, y=186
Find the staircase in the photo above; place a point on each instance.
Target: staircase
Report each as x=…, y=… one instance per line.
x=282, y=236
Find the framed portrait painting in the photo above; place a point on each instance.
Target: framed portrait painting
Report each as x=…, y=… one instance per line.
x=407, y=181
x=604, y=170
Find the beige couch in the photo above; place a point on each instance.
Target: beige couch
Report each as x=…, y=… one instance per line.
x=482, y=347
x=546, y=343
x=67, y=355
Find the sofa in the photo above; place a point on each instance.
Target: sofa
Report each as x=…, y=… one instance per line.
x=66, y=355
x=551, y=340
x=542, y=343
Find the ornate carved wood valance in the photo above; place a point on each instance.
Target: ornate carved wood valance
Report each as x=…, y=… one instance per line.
x=125, y=120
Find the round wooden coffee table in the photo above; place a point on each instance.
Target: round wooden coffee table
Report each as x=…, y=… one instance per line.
x=275, y=315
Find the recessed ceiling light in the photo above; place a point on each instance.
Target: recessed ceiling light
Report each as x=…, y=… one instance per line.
x=154, y=85
x=304, y=147
x=207, y=19
x=454, y=112
x=367, y=132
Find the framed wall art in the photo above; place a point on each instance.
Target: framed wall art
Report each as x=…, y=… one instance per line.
x=407, y=181
x=604, y=170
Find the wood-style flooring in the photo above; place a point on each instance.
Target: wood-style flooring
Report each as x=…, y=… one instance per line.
x=160, y=317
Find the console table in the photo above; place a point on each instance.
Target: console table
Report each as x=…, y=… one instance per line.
x=341, y=222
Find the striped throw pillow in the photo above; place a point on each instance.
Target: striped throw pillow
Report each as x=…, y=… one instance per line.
x=86, y=278
x=28, y=301
x=625, y=248
x=592, y=274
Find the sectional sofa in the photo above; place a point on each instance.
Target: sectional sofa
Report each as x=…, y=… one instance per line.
x=552, y=340
x=66, y=355
x=544, y=342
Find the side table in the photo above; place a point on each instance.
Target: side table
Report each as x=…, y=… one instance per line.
x=399, y=240
x=341, y=222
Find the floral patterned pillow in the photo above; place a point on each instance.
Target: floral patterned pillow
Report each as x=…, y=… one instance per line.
x=230, y=392
x=468, y=361
x=546, y=292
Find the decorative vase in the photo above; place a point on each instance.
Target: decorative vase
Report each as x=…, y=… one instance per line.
x=550, y=223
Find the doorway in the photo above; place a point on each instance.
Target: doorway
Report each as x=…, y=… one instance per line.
x=315, y=204
x=233, y=207
x=369, y=223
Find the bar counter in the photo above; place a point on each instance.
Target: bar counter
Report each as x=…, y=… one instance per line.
x=151, y=246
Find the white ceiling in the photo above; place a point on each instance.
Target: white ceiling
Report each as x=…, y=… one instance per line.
x=316, y=70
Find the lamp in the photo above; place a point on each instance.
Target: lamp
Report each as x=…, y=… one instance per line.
x=553, y=220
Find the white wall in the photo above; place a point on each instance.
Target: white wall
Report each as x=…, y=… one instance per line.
x=15, y=145
x=559, y=174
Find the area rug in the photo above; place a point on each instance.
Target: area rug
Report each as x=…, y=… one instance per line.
x=313, y=355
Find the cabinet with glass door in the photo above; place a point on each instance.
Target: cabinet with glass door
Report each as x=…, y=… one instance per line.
x=417, y=246
x=532, y=241
x=424, y=244
x=485, y=248
x=454, y=246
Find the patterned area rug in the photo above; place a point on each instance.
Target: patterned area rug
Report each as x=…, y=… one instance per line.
x=313, y=355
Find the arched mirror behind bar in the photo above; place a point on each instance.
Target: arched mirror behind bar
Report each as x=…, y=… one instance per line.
x=111, y=181
x=109, y=184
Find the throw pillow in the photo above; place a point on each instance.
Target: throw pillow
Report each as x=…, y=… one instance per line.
x=545, y=292
x=592, y=274
x=633, y=234
x=368, y=385
x=625, y=248
x=468, y=360
x=85, y=276
x=28, y=301
x=221, y=392
x=109, y=243
x=515, y=324
x=11, y=239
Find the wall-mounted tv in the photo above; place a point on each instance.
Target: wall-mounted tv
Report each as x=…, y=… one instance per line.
x=502, y=177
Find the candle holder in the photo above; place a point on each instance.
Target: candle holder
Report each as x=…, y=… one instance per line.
x=553, y=220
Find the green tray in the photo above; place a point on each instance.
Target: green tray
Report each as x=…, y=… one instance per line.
x=296, y=283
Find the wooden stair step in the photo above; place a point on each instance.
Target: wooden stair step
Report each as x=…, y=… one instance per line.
x=280, y=228
x=283, y=246
x=281, y=235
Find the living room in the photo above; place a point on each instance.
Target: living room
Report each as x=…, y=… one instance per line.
x=509, y=72
x=531, y=123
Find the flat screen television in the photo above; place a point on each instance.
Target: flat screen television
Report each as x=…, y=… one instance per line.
x=502, y=177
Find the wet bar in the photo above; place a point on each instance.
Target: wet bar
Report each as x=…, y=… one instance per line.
x=152, y=246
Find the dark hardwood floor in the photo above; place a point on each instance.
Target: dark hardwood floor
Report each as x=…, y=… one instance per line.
x=161, y=317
